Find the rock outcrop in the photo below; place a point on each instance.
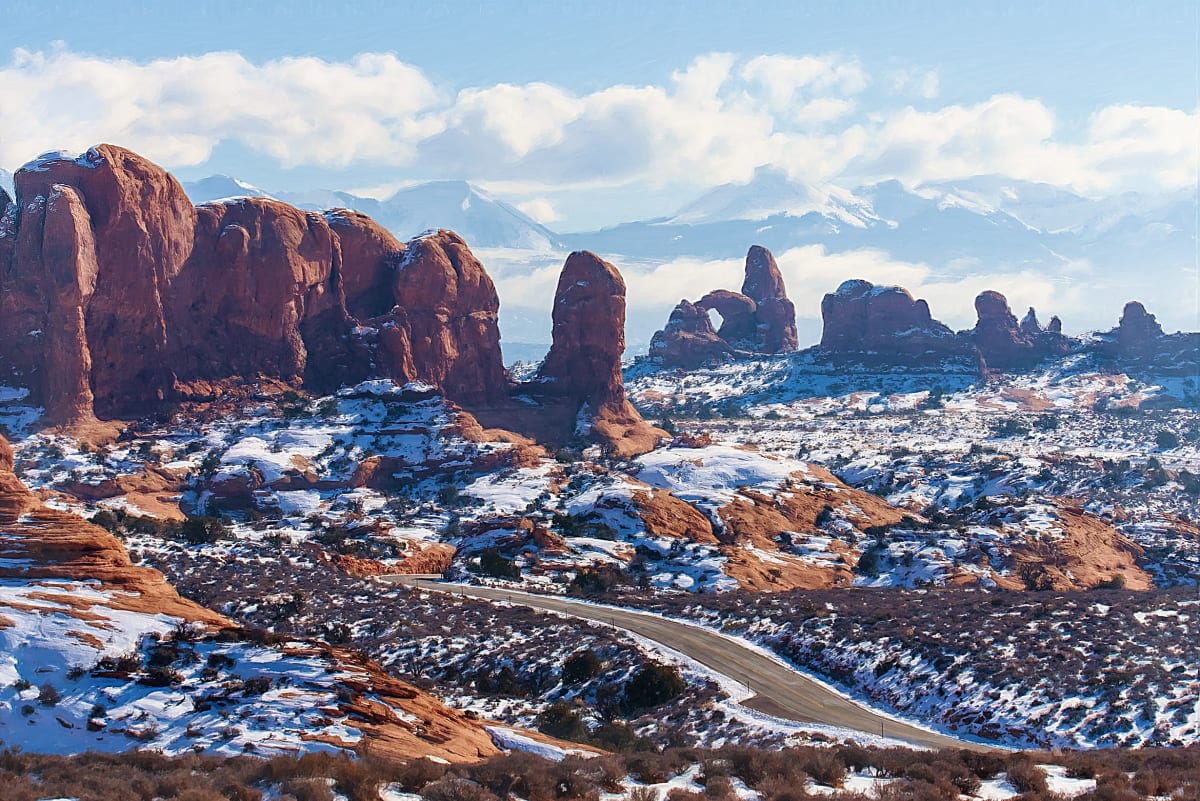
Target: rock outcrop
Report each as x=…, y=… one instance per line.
x=117, y=294
x=260, y=295
x=1006, y=344
x=99, y=239
x=449, y=306
x=370, y=258
x=739, y=317
x=1140, y=345
x=583, y=367
x=1138, y=332
x=758, y=320
x=43, y=543
x=689, y=340
x=775, y=313
x=861, y=317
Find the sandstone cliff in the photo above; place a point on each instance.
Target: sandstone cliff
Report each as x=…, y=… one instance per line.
x=117, y=295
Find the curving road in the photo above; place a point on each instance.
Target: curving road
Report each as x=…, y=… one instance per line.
x=779, y=690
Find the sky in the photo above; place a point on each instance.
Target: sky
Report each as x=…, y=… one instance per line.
x=592, y=113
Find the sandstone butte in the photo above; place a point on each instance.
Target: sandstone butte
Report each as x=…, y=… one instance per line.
x=760, y=319
x=118, y=295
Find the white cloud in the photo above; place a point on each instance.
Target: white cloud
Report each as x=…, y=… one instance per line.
x=921, y=83
x=539, y=209
x=296, y=110
x=788, y=79
x=712, y=122
x=1124, y=146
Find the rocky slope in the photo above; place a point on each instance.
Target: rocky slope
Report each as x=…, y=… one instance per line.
x=101, y=654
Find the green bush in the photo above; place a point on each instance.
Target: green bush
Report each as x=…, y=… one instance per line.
x=580, y=666
x=562, y=721
x=653, y=684
x=493, y=564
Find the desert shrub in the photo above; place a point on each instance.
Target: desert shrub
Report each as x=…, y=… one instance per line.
x=719, y=788
x=493, y=564
x=581, y=666
x=308, y=789
x=596, y=580
x=777, y=788
x=256, y=686
x=1025, y=776
x=822, y=764
x=562, y=721
x=202, y=530
x=1166, y=439
x=48, y=695
x=456, y=788
x=653, y=684
x=618, y=736
x=680, y=794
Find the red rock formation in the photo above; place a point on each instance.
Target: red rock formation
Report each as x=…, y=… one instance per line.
x=584, y=363
x=689, y=341
x=862, y=317
x=261, y=294
x=370, y=258
x=1007, y=345
x=141, y=234
x=739, y=319
x=775, y=314
x=1138, y=332
x=759, y=319
x=450, y=311
x=8, y=231
x=117, y=294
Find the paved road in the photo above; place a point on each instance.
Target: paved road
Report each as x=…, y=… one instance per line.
x=779, y=690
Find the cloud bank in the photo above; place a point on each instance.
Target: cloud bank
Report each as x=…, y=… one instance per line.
x=712, y=122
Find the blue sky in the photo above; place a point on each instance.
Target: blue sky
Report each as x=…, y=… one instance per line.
x=595, y=112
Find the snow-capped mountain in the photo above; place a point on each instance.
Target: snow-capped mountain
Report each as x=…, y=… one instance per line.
x=6, y=181
x=479, y=217
x=771, y=193
x=983, y=224
x=220, y=187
